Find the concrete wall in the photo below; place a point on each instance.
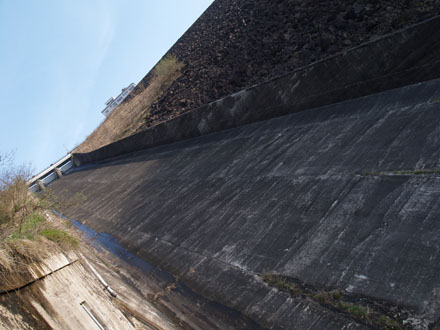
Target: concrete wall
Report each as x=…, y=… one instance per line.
x=316, y=196
x=402, y=58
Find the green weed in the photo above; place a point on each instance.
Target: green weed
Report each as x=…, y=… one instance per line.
x=321, y=297
x=60, y=237
x=281, y=284
x=357, y=311
x=29, y=228
x=389, y=323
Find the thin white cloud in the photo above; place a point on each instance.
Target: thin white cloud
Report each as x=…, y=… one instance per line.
x=74, y=84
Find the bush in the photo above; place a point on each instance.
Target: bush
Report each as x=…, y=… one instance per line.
x=334, y=299
x=5, y=214
x=357, y=311
x=30, y=227
x=322, y=298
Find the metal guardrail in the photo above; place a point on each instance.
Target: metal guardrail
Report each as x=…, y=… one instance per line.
x=50, y=174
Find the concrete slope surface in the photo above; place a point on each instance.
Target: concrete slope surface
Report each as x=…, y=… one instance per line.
x=342, y=197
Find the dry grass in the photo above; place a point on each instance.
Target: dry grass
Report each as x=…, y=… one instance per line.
x=32, y=241
x=127, y=118
x=6, y=258
x=26, y=236
x=16, y=203
x=21, y=254
x=19, y=260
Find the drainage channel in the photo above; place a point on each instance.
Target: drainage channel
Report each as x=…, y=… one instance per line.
x=102, y=240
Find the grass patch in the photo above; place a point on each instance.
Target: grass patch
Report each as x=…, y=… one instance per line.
x=281, y=284
x=341, y=306
x=321, y=297
x=417, y=172
x=168, y=65
x=335, y=299
x=434, y=171
x=357, y=311
x=29, y=228
x=36, y=227
x=336, y=294
x=30, y=243
x=389, y=323
x=60, y=237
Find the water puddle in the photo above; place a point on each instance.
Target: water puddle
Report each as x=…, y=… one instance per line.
x=108, y=242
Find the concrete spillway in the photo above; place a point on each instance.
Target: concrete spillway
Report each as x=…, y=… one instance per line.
x=314, y=195
x=298, y=177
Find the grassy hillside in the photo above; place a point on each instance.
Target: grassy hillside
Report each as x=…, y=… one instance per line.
x=128, y=117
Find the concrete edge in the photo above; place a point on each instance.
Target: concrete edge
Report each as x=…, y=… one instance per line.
x=38, y=271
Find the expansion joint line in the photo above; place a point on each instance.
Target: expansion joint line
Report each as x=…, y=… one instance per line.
x=37, y=279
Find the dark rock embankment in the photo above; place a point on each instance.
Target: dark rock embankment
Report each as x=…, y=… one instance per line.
x=239, y=43
x=406, y=57
x=310, y=196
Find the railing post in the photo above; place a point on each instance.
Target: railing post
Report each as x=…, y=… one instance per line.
x=58, y=172
x=41, y=185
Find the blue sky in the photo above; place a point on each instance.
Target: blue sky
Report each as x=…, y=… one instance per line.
x=61, y=60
